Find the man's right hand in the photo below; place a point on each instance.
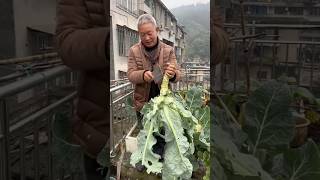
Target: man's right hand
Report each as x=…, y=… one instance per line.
x=148, y=77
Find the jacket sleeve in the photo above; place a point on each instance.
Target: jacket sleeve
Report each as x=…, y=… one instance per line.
x=173, y=60
x=219, y=40
x=80, y=46
x=134, y=74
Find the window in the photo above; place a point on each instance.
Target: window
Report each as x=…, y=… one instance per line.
x=161, y=19
x=130, y=6
x=280, y=10
x=296, y=10
x=154, y=11
x=122, y=74
x=166, y=19
x=262, y=75
x=148, y=3
x=315, y=11
x=258, y=10
x=126, y=38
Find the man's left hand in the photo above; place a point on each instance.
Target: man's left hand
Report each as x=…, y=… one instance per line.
x=170, y=70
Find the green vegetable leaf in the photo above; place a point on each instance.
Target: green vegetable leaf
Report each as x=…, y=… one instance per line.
x=301, y=163
x=146, y=140
x=269, y=122
x=176, y=163
x=305, y=94
x=169, y=113
x=240, y=164
x=194, y=98
x=218, y=170
x=66, y=155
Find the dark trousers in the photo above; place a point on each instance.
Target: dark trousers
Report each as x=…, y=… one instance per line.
x=139, y=119
x=93, y=169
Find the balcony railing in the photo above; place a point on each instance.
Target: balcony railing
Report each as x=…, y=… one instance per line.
x=26, y=142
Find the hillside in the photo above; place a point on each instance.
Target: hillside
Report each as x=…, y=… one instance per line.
x=196, y=20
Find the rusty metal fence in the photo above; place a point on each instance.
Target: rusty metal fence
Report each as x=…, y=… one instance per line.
x=26, y=140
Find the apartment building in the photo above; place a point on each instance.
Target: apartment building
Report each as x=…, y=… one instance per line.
x=27, y=27
x=294, y=23
x=124, y=18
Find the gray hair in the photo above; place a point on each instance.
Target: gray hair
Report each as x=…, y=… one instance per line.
x=146, y=18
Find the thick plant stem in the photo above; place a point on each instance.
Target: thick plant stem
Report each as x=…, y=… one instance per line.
x=164, y=85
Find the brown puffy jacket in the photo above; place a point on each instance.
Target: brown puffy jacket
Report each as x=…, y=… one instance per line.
x=83, y=43
x=219, y=39
x=137, y=64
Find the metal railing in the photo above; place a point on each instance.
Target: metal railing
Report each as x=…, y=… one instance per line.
x=25, y=144
x=193, y=76
x=121, y=117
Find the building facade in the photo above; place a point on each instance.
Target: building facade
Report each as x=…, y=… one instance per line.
x=291, y=30
x=28, y=28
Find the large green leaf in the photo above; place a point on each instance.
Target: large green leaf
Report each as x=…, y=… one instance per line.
x=146, y=140
x=204, y=120
x=300, y=164
x=66, y=155
x=218, y=170
x=269, y=122
x=238, y=164
x=194, y=98
x=169, y=113
x=219, y=118
x=305, y=94
x=176, y=164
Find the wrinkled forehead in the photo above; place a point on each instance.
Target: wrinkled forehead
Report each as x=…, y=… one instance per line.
x=147, y=27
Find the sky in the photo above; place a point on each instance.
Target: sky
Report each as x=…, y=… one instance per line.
x=176, y=3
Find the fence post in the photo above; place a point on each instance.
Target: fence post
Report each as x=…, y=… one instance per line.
x=312, y=64
x=111, y=126
x=4, y=141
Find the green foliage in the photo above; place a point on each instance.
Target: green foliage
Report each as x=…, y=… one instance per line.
x=187, y=132
x=240, y=164
x=268, y=121
x=300, y=164
x=66, y=155
x=263, y=151
x=312, y=116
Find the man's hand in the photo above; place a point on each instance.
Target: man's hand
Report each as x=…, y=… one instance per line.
x=170, y=70
x=148, y=77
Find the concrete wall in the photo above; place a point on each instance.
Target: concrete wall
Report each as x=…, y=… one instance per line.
x=120, y=17
x=31, y=13
x=7, y=38
x=288, y=35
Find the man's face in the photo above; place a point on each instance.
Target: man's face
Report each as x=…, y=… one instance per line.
x=148, y=34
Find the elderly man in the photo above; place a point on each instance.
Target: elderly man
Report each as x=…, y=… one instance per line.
x=148, y=61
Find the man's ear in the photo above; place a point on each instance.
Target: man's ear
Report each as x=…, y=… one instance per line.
x=157, y=29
